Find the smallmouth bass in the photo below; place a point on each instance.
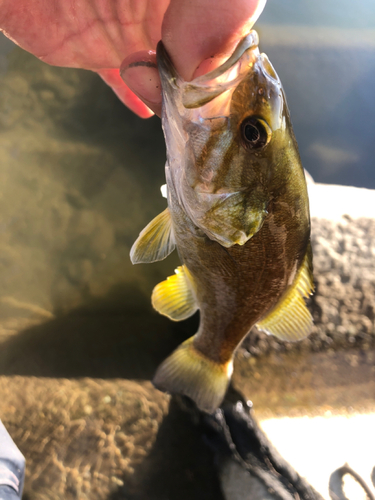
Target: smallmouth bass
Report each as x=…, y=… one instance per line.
x=238, y=215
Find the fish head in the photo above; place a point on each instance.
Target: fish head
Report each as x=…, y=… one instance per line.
x=227, y=134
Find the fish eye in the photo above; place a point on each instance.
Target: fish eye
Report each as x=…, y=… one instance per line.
x=255, y=133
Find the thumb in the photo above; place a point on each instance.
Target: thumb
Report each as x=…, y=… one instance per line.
x=197, y=31
x=198, y=35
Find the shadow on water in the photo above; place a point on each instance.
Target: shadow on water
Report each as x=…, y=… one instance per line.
x=119, y=336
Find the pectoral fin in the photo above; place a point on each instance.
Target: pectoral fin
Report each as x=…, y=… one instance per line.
x=155, y=242
x=174, y=297
x=290, y=319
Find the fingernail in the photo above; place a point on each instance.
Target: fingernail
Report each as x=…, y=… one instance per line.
x=142, y=77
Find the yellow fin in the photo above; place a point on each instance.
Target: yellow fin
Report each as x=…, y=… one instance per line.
x=188, y=371
x=290, y=319
x=155, y=242
x=174, y=297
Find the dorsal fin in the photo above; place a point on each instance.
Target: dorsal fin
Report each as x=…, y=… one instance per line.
x=174, y=297
x=290, y=319
x=155, y=242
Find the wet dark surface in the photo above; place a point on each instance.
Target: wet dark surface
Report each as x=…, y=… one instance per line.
x=333, y=14
x=324, y=53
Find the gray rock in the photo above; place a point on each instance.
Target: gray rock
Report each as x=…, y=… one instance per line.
x=239, y=484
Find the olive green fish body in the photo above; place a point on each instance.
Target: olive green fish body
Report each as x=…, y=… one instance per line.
x=240, y=284
x=238, y=215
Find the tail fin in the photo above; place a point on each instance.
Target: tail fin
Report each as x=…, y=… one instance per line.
x=188, y=371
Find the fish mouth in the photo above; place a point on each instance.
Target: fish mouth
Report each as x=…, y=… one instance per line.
x=205, y=88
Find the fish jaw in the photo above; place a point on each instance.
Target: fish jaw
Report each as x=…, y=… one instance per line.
x=203, y=89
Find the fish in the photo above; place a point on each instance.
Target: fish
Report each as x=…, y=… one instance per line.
x=238, y=215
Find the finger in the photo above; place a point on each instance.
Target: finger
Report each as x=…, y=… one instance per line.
x=124, y=93
x=208, y=30
x=207, y=38
x=139, y=72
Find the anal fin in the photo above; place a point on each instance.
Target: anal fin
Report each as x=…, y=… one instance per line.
x=174, y=297
x=290, y=319
x=155, y=242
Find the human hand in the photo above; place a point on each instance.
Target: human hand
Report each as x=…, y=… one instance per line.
x=104, y=35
